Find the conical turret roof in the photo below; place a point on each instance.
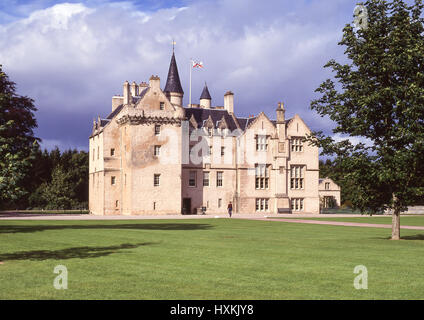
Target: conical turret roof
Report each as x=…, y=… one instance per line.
x=205, y=93
x=173, y=83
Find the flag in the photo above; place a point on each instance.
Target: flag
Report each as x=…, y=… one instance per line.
x=197, y=64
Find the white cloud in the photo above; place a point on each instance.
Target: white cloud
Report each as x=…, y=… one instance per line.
x=73, y=58
x=354, y=140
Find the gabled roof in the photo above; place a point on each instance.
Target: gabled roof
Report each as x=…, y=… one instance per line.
x=173, y=83
x=216, y=115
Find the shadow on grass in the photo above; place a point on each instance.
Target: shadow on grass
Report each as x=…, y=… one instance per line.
x=134, y=226
x=69, y=253
x=414, y=237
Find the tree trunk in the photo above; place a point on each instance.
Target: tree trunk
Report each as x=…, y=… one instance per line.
x=396, y=223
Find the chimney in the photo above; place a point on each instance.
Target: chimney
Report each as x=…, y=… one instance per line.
x=154, y=82
x=116, y=102
x=281, y=118
x=134, y=89
x=141, y=87
x=229, y=102
x=126, y=92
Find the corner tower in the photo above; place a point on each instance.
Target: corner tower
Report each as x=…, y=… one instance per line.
x=173, y=89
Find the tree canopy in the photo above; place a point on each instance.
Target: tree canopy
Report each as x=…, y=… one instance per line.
x=17, y=122
x=379, y=95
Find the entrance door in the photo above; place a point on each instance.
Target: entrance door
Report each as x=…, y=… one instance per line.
x=186, y=205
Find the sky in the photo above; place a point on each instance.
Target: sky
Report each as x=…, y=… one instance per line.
x=72, y=57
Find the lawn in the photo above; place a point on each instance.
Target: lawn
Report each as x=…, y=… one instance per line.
x=206, y=259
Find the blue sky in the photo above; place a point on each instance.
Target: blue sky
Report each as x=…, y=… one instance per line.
x=72, y=57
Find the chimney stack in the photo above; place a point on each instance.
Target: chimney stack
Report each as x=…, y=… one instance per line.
x=281, y=118
x=134, y=89
x=154, y=82
x=229, y=102
x=141, y=87
x=126, y=92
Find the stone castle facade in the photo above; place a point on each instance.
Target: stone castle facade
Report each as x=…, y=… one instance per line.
x=152, y=155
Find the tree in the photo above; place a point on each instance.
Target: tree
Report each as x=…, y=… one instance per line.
x=16, y=139
x=380, y=97
x=59, y=193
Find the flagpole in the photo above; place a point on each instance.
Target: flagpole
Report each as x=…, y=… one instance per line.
x=191, y=68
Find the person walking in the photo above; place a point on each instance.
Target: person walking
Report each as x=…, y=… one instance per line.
x=230, y=209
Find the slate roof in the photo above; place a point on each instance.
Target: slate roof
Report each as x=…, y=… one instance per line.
x=201, y=115
x=115, y=112
x=205, y=93
x=173, y=83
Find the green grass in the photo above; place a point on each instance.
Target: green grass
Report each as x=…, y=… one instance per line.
x=206, y=259
x=406, y=221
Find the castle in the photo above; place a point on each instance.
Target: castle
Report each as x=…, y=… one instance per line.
x=152, y=155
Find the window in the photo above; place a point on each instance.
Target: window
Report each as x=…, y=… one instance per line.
x=262, y=204
x=219, y=203
x=262, y=176
x=206, y=179
x=297, y=144
x=154, y=205
x=219, y=175
x=222, y=151
x=210, y=132
x=261, y=143
x=98, y=152
x=112, y=152
x=157, y=150
x=327, y=186
x=297, y=204
x=113, y=180
x=192, y=179
x=157, y=130
x=116, y=203
x=156, y=180
x=296, y=177
x=162, y=106
x=94, y=152
x=210, y=151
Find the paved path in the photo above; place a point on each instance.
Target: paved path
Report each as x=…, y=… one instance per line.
x=61, y=216
x=345, y=224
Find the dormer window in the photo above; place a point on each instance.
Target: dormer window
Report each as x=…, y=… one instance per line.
x=157, y=130
x=162, y=106
x=210, y=132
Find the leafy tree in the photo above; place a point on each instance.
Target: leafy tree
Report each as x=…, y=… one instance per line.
x=59, y=193
x=16, y=139
x=379, y=96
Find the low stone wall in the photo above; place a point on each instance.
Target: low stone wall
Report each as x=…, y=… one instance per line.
x=411, y=210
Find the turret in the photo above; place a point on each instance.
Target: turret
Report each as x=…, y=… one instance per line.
x=173, y=89
x=205, y=98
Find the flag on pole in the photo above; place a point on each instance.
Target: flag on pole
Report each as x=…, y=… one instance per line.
x=197, y=64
